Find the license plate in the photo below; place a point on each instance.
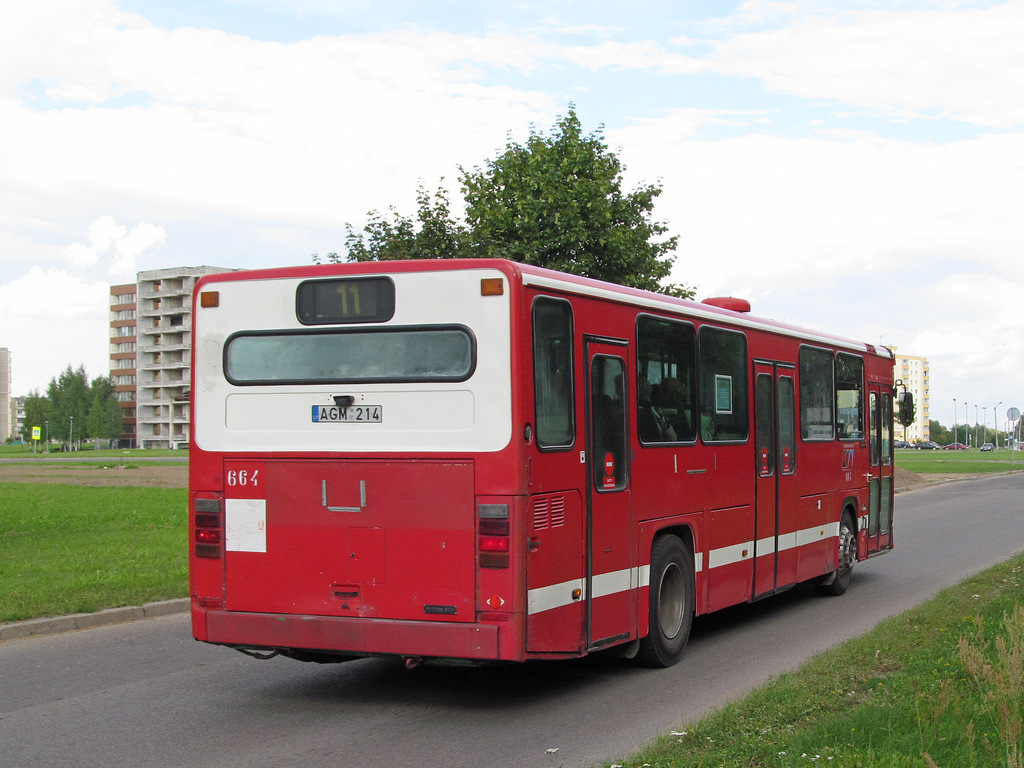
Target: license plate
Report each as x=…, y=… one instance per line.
x=351, y=414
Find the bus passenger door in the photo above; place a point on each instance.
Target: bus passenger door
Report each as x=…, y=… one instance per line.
x=880, y=477
x=610, y=580
x=775, y=468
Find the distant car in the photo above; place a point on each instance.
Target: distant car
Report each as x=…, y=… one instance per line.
x=927, y=445
x=956, y=447
x=987, y=447
x=901, y=444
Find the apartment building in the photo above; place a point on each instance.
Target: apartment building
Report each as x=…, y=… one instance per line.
x=5, y=394
x=123, y=347
x=151, y=342
x=914, y=373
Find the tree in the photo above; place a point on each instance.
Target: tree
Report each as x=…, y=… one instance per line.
x=37, y=413
x=69, y=404
x=555, y=201
x=104, y=419
x=938, y=433
x=438, y=235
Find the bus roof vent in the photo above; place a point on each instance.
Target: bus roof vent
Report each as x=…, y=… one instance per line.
x=728, y=302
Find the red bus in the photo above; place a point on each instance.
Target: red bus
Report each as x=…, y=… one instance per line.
x=479, y=461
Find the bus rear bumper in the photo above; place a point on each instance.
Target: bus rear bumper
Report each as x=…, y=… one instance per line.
x=343, y=634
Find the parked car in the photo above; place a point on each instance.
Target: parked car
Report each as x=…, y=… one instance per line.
x=927, y=445
x=987, y=447
x=901, y=444
x=956, y=447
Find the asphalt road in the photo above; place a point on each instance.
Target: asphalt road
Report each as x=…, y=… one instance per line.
x=145, y=694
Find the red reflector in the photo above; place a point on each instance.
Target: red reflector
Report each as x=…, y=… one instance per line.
x=494, y=543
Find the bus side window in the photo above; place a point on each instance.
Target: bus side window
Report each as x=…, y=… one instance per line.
x=816, y=394
x=850, y=396
x=724, y=413
x=666, y=406
x=552, y=373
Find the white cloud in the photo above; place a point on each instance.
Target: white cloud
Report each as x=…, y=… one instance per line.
x=51, y=319
x=961, y=63
x=108, y=238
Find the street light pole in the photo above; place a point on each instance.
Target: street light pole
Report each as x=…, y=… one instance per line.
x=967, y=428
x=995, y=421
x=975, y=423
x=954, y=421
x=71, y=435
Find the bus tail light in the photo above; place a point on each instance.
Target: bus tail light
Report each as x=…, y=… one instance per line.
x=209, y=528
x=493, y=535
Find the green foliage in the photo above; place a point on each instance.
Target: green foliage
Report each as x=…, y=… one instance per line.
x=74, y=409
x=69, y=400
x=104, y=419
x=434, y=234
x=36, y=415
x=554, y=201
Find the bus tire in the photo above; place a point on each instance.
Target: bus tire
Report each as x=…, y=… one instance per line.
x=837, y=582
x=670, y=608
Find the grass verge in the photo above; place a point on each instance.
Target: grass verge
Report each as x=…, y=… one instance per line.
x=73, y=549
x=941, y=685
x=959, y=462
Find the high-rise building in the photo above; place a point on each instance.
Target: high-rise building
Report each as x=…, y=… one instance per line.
x=914, y=375
x=123, y=350
x=150, y=353
x=5, y=394
x=18, y=417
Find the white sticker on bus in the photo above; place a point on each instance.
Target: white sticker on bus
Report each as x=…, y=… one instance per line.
x=245, y=525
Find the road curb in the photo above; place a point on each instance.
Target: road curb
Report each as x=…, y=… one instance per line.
x=58, y=624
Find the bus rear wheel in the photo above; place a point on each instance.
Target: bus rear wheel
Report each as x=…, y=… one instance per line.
x=838, y=581
x=670, y=609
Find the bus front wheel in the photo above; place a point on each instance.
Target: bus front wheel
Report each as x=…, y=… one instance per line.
x=670, y=609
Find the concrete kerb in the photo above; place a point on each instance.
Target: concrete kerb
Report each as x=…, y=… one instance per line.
x=57, y=624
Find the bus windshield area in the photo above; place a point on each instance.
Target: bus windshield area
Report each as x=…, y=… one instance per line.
x=422, y=354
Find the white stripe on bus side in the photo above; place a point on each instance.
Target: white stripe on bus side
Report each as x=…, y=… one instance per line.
x=554, y=596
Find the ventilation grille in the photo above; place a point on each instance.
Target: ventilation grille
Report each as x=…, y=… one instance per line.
x=548, y=512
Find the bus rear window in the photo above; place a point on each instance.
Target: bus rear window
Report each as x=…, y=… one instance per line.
x=429, y=354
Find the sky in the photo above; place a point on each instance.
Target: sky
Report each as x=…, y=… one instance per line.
x=852, y=167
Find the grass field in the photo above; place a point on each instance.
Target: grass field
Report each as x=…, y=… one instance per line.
x=959, y=462
x=940, y=685
x=71, y=549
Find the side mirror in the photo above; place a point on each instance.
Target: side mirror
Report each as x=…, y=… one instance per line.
x=906, y=412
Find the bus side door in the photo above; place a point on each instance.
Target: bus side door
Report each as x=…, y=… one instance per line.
x=775, y=468
x=880, y=475
x=611, y=581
